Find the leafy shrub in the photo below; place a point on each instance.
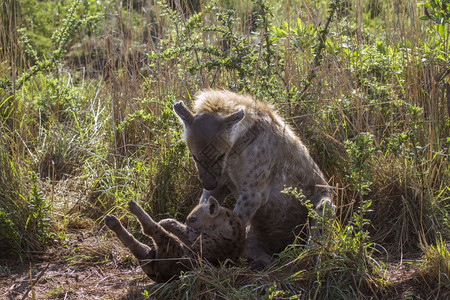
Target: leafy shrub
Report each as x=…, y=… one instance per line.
x=24, y=211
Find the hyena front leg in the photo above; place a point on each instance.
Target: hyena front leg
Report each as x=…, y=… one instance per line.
x=178, y=229
x=220, y=193
x=141, y=251
x=168, y=245
x=247, y=204
x=254, y=251
x=253, y=192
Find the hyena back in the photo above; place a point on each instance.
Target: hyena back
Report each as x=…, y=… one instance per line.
x=242, y=146
x=211, y=232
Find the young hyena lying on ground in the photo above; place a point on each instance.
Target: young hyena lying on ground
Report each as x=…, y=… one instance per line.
x=243, y=147
x=212, y=232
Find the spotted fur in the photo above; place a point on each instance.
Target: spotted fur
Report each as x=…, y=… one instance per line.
x=211, y=232
x=241, y=146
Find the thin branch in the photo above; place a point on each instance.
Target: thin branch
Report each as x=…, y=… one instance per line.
x=33, y=283
x=322, y=38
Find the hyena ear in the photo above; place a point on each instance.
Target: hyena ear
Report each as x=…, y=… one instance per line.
x=234, y=118
x=185, y=115
x=213, y=207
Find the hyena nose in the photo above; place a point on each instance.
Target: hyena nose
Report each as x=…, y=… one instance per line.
x=209, y=185
x=208, y=182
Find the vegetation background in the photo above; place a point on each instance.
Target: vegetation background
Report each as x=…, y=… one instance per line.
x=86, y=91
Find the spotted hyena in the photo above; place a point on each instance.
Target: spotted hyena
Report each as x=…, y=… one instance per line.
x=211, y=232
x=241, y=146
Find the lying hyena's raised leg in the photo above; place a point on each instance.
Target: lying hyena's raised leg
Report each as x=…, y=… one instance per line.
x=139, y=250
x=168, y=245
x=142, y=252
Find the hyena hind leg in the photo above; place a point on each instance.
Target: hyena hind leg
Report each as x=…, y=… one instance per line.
x=167, y=244
x=149, y=226
x=139, y=250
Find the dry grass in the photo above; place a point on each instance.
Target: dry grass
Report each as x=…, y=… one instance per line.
x=91, y=127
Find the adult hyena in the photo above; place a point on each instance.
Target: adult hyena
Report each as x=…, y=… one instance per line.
x=242, y=146
x=211, y=232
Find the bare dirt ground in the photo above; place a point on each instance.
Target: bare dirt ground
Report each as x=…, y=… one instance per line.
x=93, y=267
x=401, y=277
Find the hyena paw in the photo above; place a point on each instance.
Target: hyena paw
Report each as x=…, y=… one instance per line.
x=168, y=223
x=112, y=222
x=171, y=225
x=325, y=208
x=259, y=262
x=258, y=265
x=133, y=206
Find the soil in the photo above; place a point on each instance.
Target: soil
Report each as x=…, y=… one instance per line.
x=93, y=267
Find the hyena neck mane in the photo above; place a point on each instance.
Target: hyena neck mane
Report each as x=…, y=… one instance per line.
x=223, y=103
x=259, y=116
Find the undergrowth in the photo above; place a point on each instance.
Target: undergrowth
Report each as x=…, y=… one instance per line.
x=86, y=95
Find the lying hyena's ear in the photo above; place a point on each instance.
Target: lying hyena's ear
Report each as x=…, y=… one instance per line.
x=185, y=115
x=234, y=118
x=213, y=207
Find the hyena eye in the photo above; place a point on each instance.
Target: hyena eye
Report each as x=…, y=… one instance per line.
x=192, y=219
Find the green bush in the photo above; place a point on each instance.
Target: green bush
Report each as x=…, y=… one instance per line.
x=86, y=95
x=25, y=213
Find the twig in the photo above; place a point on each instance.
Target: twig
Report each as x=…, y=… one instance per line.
x=318, y=55
x=33, y=283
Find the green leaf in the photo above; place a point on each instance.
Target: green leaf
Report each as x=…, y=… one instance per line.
x=441, y=30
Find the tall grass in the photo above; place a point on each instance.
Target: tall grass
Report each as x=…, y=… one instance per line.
x=86, y=92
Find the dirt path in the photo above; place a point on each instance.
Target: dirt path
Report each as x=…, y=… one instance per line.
x=58, y=281
x=86, y=268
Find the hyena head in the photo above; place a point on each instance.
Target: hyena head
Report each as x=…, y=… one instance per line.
x=210, y=216
x=207, y=137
